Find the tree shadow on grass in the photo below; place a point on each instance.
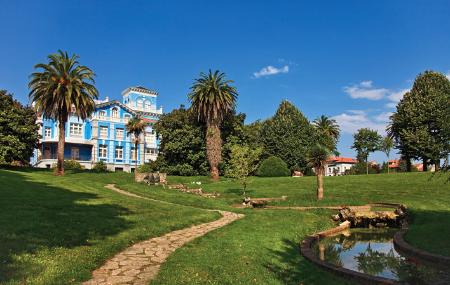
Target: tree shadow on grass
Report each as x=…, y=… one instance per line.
x=292, y=268
x=35, y=215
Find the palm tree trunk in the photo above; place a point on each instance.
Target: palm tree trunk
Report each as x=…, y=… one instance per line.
x=213, y=149
x=388, y=163
x=135, y=158
x=319, y=184
x=60, y=153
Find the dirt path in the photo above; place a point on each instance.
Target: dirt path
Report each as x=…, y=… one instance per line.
x=140, y=263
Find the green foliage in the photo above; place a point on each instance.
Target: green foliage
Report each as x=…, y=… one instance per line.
x=71, y=165
x=100, y=167
x=273, y=167
x=421, y=124
x=317, y=156
x=327, y=132
x=179, y=169
x=18, y=130
x=288, y=135
x=182, y=142
x=157, y=165
x=365, y=142
x=361, y=168
x=243, y=162
x=60, y=88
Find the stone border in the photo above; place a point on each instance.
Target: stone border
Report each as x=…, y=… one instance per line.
x=403, y=246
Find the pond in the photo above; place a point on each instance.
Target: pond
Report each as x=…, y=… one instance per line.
x=371, y=251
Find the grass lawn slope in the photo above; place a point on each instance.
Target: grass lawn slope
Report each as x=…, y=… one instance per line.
x=56, y=230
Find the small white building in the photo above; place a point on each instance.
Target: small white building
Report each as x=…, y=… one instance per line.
x=337, y=166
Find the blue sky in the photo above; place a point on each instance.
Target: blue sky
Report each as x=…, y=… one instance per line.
x=351, y=60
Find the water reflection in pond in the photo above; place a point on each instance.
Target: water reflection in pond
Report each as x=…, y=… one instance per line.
x=372, y=251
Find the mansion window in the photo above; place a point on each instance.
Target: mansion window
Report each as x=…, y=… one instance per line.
x=76, y=129
x=119, y=152
x=115, y=113
x=103, y=132
x=47, y=132
x=140, y=104
x=102, y=115
x=151, y=151
x=119, y=134
x=127, y=118
x=103, y=151
x=133, y=153
x=147, y=106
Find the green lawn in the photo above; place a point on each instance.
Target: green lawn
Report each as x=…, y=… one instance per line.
x=55, y=228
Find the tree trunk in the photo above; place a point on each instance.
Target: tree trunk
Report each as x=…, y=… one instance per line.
x=213, y=149
x=60, y=154
x=425, y=164
x=135, y=158
x=319, y=184
x=367, y=165
x=388, y=164
x=437, y=165
x=408, y=164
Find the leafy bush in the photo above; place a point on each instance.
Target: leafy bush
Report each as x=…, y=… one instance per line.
x=100, y=166
x=360, y=169
x=152, y=166
x=71, y=165
x=180, y=169
x=273, y=167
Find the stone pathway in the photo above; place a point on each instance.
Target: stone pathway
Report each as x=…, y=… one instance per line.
x=140, y=263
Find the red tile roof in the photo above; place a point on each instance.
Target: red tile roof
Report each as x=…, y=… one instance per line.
x=341, y=160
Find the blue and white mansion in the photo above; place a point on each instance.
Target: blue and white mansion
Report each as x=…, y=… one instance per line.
x=103, y=137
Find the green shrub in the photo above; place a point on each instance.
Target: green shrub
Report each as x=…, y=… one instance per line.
x=273, y=167
x=71, y=165
x=152, y=166
x=100, y=166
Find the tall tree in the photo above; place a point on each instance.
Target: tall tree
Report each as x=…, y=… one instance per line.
x=386, y=146
x=136, y=127
x=365, y=142
x=18, y=130
x=62, y=87
x=327, y=131
x=288, y=135
x=421, y=123
x=317, y=158
x=212, y=97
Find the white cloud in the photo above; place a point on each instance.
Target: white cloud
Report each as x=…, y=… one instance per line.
x=352, y=120
x=383, y=117
x=395, y=97
x=365, y=90
x=271, y=70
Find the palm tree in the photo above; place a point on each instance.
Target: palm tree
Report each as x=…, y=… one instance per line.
x=386, y=146
x=60, y=88
x=328, y=131
x=317, y=158
x=212, y=98
x=136, y=126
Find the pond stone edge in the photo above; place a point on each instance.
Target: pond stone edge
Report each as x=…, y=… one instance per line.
x=401, y=245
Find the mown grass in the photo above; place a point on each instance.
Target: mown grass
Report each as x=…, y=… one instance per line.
x=56, y=230
x=78, y=224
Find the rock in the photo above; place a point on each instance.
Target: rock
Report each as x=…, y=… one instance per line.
x=335, y=217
